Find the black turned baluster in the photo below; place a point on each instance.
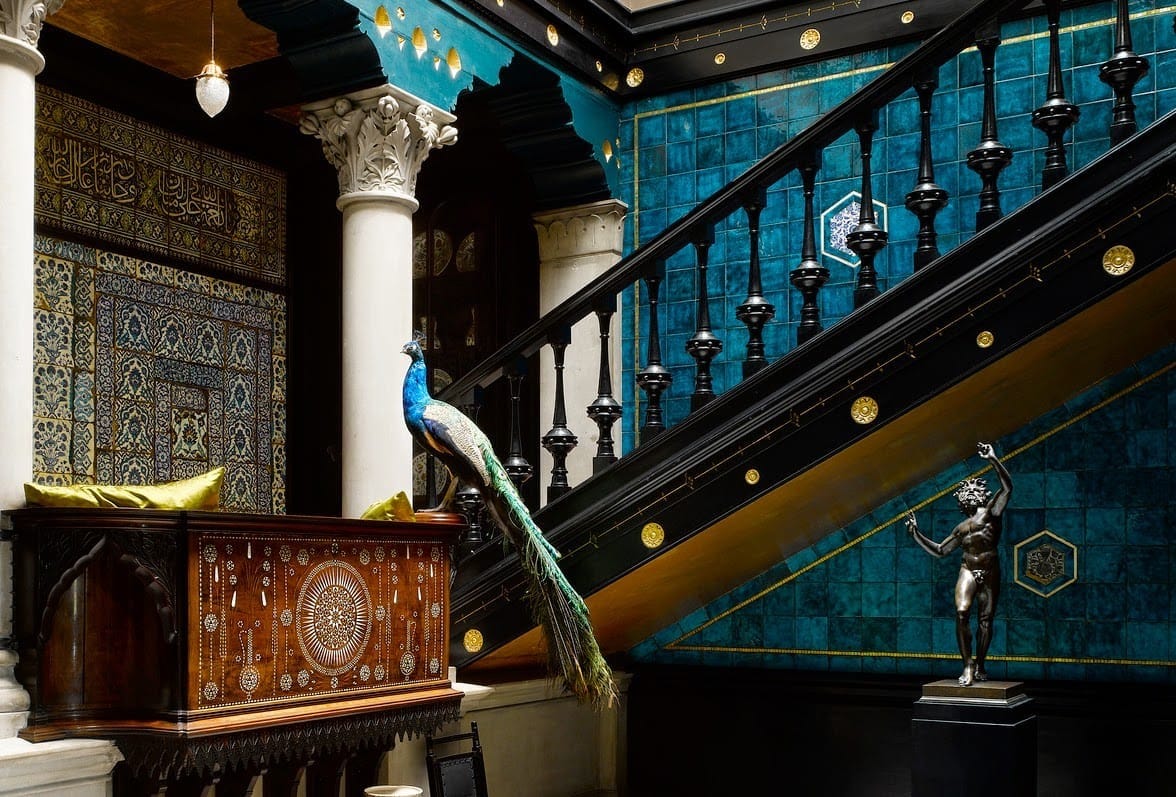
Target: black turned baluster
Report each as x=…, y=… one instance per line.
x=605, y=411
x=517, y=467
x=654, y=378
x=704, y=345
x=1057, y=115
x=867, y=239
x=991, y=157
x=810, y=275
x=926, y=199
x=560, y=441
x=756, y=311
x=1121, y=73
x=467, y=498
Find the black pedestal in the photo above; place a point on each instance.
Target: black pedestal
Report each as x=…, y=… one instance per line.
x=974, y=740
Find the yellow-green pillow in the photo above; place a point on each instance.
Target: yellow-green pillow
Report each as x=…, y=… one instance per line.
x=398, y=507
x=198, y=492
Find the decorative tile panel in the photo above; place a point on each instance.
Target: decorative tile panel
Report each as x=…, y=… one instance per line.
x=1045, y=564
x=156, y=376
x=124, y=182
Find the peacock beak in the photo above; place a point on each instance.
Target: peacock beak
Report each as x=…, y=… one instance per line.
x=404, y=349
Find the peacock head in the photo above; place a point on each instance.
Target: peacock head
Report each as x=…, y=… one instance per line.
x=413, y=350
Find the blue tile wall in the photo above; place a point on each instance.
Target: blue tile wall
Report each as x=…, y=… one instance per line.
x=1097, y=474
x=679, y=148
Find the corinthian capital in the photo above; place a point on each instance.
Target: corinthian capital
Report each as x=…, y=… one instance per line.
x=377, y=139
x=22, y=19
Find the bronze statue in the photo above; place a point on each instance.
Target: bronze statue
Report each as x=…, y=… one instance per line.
x=978, y=535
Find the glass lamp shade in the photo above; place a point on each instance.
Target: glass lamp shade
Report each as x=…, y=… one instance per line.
x=212, y=89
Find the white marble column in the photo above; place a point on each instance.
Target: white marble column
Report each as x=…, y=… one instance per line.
x=377, y=139
x=577, y=245
x=20, y=62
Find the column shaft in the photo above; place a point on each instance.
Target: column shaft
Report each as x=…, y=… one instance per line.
x=577, y=245
x=377, y=320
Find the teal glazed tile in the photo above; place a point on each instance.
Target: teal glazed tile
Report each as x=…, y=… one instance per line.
x=812, y=633
x=1026, y=638
x=1147, y=640
x=879, y=599
x=844, y=599
x=845, y=633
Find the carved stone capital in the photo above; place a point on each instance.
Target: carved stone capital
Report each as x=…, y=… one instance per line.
x=22, y=19
x=378, y=138
x=582, y=230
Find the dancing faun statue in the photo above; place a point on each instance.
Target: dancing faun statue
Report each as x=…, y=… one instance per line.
x=978, y=535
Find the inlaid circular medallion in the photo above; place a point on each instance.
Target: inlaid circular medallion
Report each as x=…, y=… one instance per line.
x=250, y=678
x=635, y=77
x=334, y=614
x=985, y=339
x=810, y=39
x=907, y=17
x=652, y=535
x=407, y=664
x=864, y=410
x=1118, y=260
x=752, y=476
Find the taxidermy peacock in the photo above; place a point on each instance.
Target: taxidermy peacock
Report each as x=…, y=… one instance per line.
x=461, y=446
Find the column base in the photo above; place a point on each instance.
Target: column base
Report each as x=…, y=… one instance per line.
x=14, y=700
x=68, y=768
x=974, y=740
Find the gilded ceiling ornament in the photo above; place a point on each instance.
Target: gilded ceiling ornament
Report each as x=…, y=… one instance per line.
x=22, y=19
x=635, y=77
x=1118, y=260
x=377, y=142
x=985, y=339
x=752, y=476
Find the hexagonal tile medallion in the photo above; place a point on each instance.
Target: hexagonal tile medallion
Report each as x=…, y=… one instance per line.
x=1045, y=563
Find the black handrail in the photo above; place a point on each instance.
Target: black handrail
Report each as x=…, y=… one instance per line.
x=788, y=156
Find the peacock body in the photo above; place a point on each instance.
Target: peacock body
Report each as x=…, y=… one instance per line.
x=558, y=609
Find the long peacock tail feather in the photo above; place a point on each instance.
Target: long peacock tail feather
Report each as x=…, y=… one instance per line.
x=559, y=610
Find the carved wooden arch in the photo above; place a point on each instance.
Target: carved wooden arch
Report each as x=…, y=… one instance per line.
x=148, y=557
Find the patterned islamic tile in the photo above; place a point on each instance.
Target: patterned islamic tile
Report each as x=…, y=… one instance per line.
x=189, y=434
x=83, y=291
x=206, y=346
x=81, y=452
x=239, y=396
x=242, y=349
x=239, y=491
x=191, y=281
x=239, y=443
x=189, y=397
x=154, y=272
x=113, y=263
x=133, y=326
x=131, y=469
x=82, y=402
x=279, y=386
x=839, y=220
x=132, y=423
x=51, y=391
x=172, y=337
x=104, y=466
x=52, y=479
x=52, y=287
x=52, y=341
x=83, y=344
x=51, y=445
x=134, y=377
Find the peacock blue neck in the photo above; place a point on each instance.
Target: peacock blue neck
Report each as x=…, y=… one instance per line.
x=416, y=388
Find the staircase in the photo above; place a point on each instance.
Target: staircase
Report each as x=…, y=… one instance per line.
x=1039, y=303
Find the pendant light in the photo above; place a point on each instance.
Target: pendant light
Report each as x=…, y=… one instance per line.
x=212, y=87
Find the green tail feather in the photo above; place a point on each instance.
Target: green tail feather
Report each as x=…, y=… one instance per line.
x=559, y=610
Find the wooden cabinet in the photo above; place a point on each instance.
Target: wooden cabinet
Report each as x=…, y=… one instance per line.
x=206, y=642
